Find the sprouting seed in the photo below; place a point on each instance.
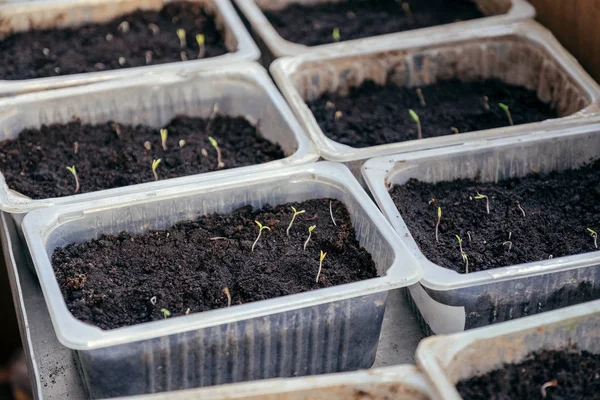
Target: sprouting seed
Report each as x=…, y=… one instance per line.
x=148, y=55
x=261, y=227
x=166, y=313
x=421, y=97
x=552, y=383
x=338, y=115
x=201, y=47
x=336, y=34
x=331, y=213
x=213, y=143
x=183, y=56
x=46, y=51
x=508, y=242
x=507, y=111
x=154, y=28
x=226, y=291
x=487, y=201
x=123, y=27
x=520, y=208
x=181, y=143
x=463, y=254
x=164, y=134
x=486, y=103
x=454, y=130
x=406, y=9
x=595, y=236
x=415, y=117
x=75, y=147
x=122, y=61
x=321, y=258
x=187, y=312
x=181, y=36
x=437, y=225
x=147, y=145
x=155, y=164
x=204, y=152
x=310, y=229
x=73, y=171
x=287, y=231
x=330, y=105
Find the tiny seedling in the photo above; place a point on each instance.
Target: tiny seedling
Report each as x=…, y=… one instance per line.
x=487, y=201
x=296, y=213
x=421, y=97
x=338, y=115
x=508, y=242
x=183, y=56
x=455, y=130
x=148, y=56
x=154, y=28
x=463, y=254
x=594, y=235
x=187, y=312
x=415, y=117
x=117, y=128
x=507, y=111
x=261, y=227
x=521, y=209
x=73, y=171
x=552, y=383
x=310, y=229
x=226, y=291
x=469, y=235
x=213, y=143
x=75, y=147
x=181, y=143
x=155, y=164
x=166, y=313
x=123, y=27
x=406, y=9
x=204, y=152
x=437, y=225
x=321, y=258
x=147, y=145
x=122, y=61
x=336, y=34
x=330, y=105
x=164, y=134
x=201, y=47
x=182, y=39
x=46, y=51
x=331, y=213
x=486, y=103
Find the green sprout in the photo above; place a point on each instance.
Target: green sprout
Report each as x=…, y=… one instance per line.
x=293, y=217
x=73, y=171
x=463, y=254
x=213, y=143
x=437, y=225
x=414, y=116
x=594, y=235
x=164, y=134
x=181, y=36
x=147, y=145
x=455, y=130
x=166, y=313
x=487, y=201
x=406, y=9
x=261, y=227
x=421, y=97
x=338, y=115
x=201, y=47
x=187, y=312
x=181, y=143
x=331, y=213
x=310, y=229
x=336, y=34
x=507, y=111
x=321, y=258
x=155, y=164
x=228, y=294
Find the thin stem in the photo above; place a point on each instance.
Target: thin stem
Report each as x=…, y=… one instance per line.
x=257, y=239
x=520, y=208
x=437, y=226
x=287, y=231
x=419, y=131
x=421, y=97
x=226, y=291
x=321, y=258
x=310, y=229
x=331, y=213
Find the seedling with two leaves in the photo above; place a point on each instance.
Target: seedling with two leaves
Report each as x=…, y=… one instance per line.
x=296, y=213
x=261, y=228
x=73, y=171
x=321, y=258
x=463, y=254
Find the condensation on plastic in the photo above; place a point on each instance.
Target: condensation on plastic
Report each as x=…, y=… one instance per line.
x=446, y=360
x=240, y=89
x=23, y=16
x=274, y=46
x=449, y=301
x=520, y=54
x=328, y=330
x=403, y=382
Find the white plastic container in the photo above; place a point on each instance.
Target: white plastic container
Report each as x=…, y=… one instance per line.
x=521, y=53
x=402, y=382
x=240, y=89
x=21, y=16
x=446, y=360
x=274, y=46
x=328, y=330
x=448, y=301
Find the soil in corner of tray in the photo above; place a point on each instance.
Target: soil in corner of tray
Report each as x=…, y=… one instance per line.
x=200, y=265
x=544, y=375
x=373, y=114
x=138, y=39
x=313, y=25
x=533, y=218
x=112, y=155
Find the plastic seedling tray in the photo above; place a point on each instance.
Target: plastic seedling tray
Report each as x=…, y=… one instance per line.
x=274, y=46
x=240, y=89
x=448, y=301
x=446, y=360
x=23, y=16
x=521, y=54
x=329, y=330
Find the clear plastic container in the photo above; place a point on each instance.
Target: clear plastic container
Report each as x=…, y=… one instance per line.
x=449, y=301
x=240, y=89
x=522, y=53
x=402, y=382
x=274, y=46
x=21, y=16
x=446, y=360
x=328, y=330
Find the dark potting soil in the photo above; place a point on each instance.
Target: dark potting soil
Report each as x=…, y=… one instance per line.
x=313, y=25
x=137, y=39
x=570, y=376
x=373, y=114
x=112, y=155
x=111, y=282
x=559, y=208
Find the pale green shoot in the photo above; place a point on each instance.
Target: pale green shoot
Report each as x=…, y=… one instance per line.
x=287, y=231
x=487, y=201
x=261, y=227
x=336, y=34
x=415, y=117
x=166, y=313
x=155, y=164
x=213, y=143
x=201, y=48
x=182, y=39
x=321, y=258
x=164, y=134
x=594, y=235
x=310, y=229
x=437, y=226
x=73, y=171
x=507, y=111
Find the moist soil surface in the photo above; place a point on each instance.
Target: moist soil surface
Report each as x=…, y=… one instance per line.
x=314, y=25
x=137, y=39
x=111, y=282
x=373, y=114
x=559, y=208
x=576, y=376
x=113, y=155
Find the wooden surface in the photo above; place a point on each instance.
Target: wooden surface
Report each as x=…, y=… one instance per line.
x=576, y=23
